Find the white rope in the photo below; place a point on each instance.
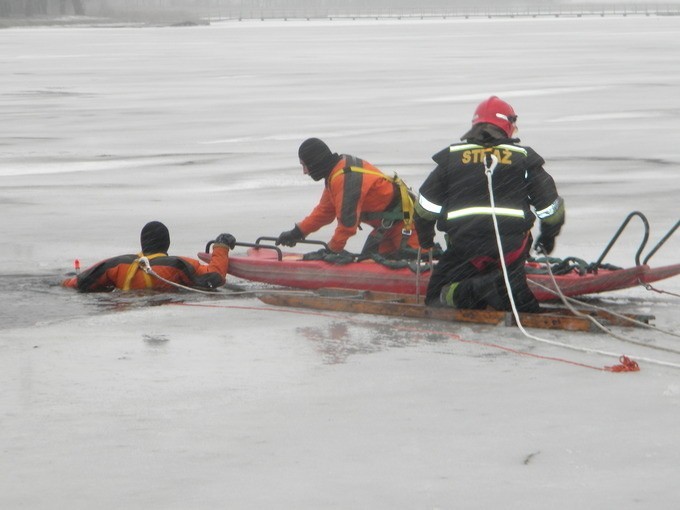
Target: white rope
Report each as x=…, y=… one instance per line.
x=146, y=267
x=489, y=173
x=567, y=302
x=623, y=317
x=658, y=291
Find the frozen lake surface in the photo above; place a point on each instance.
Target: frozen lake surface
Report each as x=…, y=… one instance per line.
x=184, y=401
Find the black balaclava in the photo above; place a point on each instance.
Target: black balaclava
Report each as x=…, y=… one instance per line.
x=318, y=158
x=155, y=238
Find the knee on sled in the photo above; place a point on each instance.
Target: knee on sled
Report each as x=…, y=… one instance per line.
x=484, y=291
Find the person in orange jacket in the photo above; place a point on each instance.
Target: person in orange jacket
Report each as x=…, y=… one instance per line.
x=355, y=192
x=124, y=272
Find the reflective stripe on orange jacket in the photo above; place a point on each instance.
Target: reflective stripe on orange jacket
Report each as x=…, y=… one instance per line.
x=346, y=197
x=112, y=273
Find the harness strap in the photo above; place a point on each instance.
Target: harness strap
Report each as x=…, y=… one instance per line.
x=134, y=267
x=402, y=211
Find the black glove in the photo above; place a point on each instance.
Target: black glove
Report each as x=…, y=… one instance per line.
x=546, y=240
x=227, y=240
x=545, y=244
x=290, y=237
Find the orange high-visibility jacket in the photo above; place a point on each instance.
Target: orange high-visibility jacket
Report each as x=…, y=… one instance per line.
x=354, y=197
x=123, y=272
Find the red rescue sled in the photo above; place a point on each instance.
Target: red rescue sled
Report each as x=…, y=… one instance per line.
x=263, y=265
x=268, y=264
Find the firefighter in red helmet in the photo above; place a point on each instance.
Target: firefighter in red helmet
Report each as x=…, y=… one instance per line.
x=456, y=198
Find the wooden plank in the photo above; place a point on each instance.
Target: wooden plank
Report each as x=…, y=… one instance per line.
x=403, y=305
x=610, y=318
x=395, y=309
x=607, y=317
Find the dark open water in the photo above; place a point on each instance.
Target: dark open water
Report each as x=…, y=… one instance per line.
x=28, y=300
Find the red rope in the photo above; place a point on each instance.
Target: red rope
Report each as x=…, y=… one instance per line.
x=504, y=348
x=627, y=365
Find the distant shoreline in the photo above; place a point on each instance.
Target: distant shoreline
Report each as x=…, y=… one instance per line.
x=148, y=19
x=87, y=21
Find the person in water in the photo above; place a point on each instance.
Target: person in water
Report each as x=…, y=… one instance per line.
x=125, y=272
x=456, y=198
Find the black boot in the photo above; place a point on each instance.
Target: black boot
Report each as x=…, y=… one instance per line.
x=476, y=293
x=488, y=289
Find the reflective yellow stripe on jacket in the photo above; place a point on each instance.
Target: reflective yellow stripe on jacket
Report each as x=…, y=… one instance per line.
x=471, y=211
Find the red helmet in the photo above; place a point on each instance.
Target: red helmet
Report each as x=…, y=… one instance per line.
x=497, y=112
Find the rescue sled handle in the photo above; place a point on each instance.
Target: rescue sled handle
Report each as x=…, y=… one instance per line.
x=620, y=231
x=661, y=242
x=257, y=244
x=303, y=241
x=279, y=253
x=645, y=238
